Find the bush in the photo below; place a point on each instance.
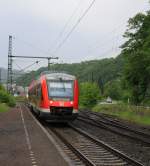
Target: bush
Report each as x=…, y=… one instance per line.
x=126, y=96
x=131, y=113
x=7, y=98
x=89, y=94
x=3, y=107
x=12, y=101
x=2, y=87
x=113, y=90
x=146, y=102
x=112, y=108
x=4, y=97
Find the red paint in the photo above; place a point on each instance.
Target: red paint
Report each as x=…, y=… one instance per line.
x=44, y=101
x=76, y=94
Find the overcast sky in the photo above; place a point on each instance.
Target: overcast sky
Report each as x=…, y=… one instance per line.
x=36, y=27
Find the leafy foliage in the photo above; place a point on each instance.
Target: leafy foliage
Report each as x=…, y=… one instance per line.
x=136, y=51
x=134, y=59
x=6, y=98
x=2, y=87
x=99, y=71
x=134, y=114
x=114, y=90
x=3, y=107
x=89, y=94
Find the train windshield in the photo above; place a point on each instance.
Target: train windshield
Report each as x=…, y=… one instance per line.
x=60, y=89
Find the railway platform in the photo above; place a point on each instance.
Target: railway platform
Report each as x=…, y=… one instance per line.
x=23, y=143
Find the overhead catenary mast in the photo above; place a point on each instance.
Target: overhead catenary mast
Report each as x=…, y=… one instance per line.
x=37, y=57
x=9, y=71
x=10, y=61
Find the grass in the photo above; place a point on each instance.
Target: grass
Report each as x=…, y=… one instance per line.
x=3, y=107
x=133, y=114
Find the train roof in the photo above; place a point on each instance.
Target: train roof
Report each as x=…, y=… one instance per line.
x=49, y=75
x=58, y=75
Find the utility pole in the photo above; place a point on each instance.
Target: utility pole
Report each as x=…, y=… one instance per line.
x=9, y=71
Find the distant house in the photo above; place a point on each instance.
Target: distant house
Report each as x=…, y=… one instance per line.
x=109, y=100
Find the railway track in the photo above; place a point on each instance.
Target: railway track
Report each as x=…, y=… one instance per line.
x=90, y=150
x=101, y=121
x=114, y=122
x=87, y=149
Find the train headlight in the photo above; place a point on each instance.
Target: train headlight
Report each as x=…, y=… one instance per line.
x=51, y=102
x=71, y=102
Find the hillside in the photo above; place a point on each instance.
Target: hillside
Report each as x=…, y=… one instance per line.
x=16, y=73
x=100, y=71
x=3, y=75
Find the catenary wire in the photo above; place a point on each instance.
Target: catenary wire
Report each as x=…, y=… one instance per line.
x=67, y=23
x=74, y=27
x=32, y=46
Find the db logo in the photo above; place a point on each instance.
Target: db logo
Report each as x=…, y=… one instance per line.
x=61, y=103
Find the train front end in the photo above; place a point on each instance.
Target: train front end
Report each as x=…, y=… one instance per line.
x=62, y=97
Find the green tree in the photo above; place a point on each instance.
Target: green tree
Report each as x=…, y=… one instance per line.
x=89, y=94
x=136, y=51
x=99, y=71
x=113, y=89
x=6, y=98
x=2, y=87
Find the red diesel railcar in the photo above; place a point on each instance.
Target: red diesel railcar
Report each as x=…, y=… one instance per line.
x=54, y=96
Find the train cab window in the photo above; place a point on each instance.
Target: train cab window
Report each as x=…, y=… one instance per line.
x=60, y=89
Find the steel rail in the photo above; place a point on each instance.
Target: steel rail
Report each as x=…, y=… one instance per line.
x=109, y=148
x=118, y=124
x=104, y=126
x=82, y=157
